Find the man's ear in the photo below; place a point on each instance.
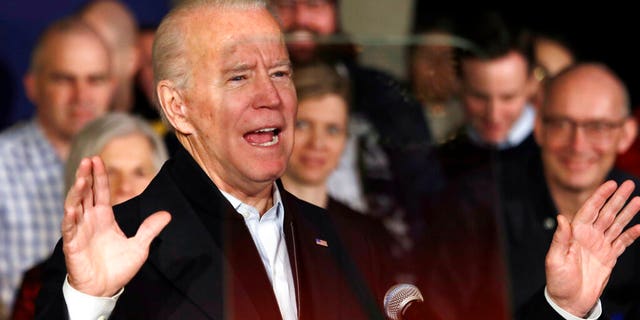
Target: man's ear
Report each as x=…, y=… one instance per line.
x=29, y=82
x=629, y=134
x=174, y=107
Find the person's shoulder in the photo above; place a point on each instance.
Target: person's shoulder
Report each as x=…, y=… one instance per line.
x=371, y=78
x=619, y=176
x=16, y=135
x=460, y=153
x=23, y=147
x=354, y=223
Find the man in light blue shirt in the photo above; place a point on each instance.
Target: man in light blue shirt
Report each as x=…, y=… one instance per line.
x=70, y=84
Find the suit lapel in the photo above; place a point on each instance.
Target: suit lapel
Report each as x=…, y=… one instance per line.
x=206, y=251
x=313, y=266
x=186, y=254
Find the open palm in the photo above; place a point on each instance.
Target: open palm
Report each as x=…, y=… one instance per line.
x=100, y=259
x=584, y=251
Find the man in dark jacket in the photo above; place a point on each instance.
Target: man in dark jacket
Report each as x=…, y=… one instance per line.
x=226, y=241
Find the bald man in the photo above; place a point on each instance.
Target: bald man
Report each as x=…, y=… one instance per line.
x=117, y=25
x=582, y=126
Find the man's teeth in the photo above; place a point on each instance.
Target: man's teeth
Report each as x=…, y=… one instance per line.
x=273, y=141
x=274, y=138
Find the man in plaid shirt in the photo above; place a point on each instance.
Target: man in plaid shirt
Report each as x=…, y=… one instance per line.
x=70, y=84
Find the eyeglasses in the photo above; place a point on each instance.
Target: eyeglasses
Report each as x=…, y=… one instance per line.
x=594, y=130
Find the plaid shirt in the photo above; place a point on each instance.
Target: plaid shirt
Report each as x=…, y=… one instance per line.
x=31, y=203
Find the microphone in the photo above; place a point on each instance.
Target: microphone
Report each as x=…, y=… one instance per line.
x=398, y=299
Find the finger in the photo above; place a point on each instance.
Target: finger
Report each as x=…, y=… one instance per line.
x=561, y=241
x=102, y=195
x=75, y=193
x=151, y=227
x=73, y=208
x=629, y=211
x=613, y=206
x=626, y=239
x=70, y=221
x=588, y=213
x=87, y=174
x=78, y=192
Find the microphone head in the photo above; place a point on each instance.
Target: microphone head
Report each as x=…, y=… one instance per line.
x=398, y=298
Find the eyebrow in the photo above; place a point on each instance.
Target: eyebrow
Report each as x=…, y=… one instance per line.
x=283, y=63
x=238, y=67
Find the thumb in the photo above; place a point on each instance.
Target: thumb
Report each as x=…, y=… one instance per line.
x=561, y=238
x=151, y=227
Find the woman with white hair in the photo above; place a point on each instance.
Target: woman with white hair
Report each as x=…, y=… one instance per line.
x=131, y=150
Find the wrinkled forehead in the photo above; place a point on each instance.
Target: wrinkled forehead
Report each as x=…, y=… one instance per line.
x=226, y=31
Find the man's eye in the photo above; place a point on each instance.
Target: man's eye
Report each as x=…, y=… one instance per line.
x=280, y=74
x=237, y=78
x=301, y=124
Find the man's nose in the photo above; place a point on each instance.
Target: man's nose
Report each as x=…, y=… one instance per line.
x=266, y=93
x=493, y=110
x=578, y=138
x=82, y=92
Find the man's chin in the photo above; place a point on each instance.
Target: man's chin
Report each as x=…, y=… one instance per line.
x=302, y=53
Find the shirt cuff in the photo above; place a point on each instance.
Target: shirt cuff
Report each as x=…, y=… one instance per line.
x=595, y=313
x=84, y=306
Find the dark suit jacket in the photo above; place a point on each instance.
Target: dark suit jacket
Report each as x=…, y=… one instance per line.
x=466, y=264
x=529, y=218
x=204, y=264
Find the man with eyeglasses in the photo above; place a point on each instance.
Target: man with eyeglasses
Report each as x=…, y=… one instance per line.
x=582, y=125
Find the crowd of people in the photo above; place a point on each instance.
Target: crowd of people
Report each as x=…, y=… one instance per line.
x=237, y=161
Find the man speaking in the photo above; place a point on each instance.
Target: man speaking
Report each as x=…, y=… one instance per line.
x=215, y=235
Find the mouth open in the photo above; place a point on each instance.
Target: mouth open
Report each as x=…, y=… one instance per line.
x=301, y=36
x=264, y=137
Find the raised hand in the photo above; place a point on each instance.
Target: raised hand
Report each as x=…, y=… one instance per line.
x=100, y=258
x=584, y=251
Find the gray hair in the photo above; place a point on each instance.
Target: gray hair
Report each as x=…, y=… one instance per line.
x=96, y=135
x=170, y=59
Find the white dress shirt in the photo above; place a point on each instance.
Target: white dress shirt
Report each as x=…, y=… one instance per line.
x=518, y=132
x=268, y=235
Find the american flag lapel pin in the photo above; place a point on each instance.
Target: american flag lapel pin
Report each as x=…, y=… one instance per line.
x=322, y=242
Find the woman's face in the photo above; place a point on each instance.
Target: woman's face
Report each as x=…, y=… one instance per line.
x=320, y=137
x=129, y=163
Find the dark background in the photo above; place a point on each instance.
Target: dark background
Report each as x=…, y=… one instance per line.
x=21, y=21
x=606, y=33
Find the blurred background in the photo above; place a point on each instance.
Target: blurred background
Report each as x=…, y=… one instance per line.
x=381, y=27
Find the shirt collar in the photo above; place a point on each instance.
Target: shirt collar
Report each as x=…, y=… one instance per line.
x=518, y=132
x=247, y=211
